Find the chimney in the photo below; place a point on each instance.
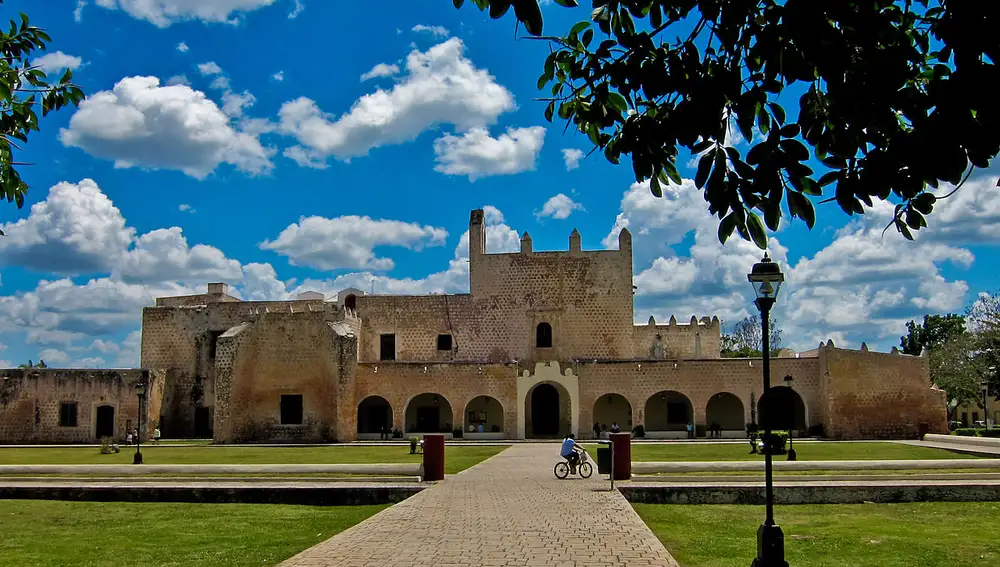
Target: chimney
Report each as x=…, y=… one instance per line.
x=526, y=244
x=477, y=234
x=218, y=289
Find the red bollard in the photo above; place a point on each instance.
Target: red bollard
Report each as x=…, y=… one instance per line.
x=622, y=466
x=433, y=457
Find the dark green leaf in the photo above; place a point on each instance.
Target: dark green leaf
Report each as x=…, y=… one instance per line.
x=756, y=229
x=704, y=167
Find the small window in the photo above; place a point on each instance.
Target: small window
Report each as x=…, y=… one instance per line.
x=67, y=414
x=387, y=347
x=543, y=336
x=444, y=342
x=291, y=409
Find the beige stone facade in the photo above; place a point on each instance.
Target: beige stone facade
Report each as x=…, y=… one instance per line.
x=45, y=405
x=543, y=345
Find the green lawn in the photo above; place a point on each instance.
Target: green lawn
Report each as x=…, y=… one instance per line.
x=456, y=458
x=826, y=451
x=833, y=535
x=96, y=534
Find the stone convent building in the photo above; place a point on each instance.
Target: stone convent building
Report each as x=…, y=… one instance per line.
x=543, y=345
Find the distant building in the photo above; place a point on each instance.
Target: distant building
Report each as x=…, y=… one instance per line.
x=543, y=345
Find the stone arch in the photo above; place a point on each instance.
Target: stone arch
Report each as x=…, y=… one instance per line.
x=374, y=412
x=543, y=335
x=611, y=408
x=351, y=302
x=725, y=410
x=785, y=407
x=668, y=410
x=428, y=413
x=565, y=381
x=547, y=411
x=485, y=410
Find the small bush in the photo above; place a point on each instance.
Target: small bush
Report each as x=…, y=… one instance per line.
x=776, y=442
x=969, y=432
x=107, y=447
x=991, y=432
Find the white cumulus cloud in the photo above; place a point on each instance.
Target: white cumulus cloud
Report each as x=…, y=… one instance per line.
x=477, y=154
x=57, y=61
x=142, y=124
x=441, y=86
x=163, y=13
x=380, y=70
x=349, y=241
x=436, y=31
x=182, y=47
x=572, y=158
x=559, y=206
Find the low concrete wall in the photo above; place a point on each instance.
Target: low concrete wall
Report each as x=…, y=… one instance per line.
x=721, y=466
x=108, y=470
x=855, y=493
x=209, y=494
x=962, y=440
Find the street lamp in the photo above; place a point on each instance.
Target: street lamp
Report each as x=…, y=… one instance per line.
x=791, y=426
x=140, y=392
x=766, y=278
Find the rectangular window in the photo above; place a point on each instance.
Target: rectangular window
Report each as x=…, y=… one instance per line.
x=67, y=414
x=444, y=342
x=975, y=417
x=965, y=419
x=291, y=409
x=387, y=347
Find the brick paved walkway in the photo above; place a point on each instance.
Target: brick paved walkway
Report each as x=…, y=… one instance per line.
x=507, y=511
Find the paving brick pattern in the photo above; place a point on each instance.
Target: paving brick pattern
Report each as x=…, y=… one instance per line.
x=507, y=511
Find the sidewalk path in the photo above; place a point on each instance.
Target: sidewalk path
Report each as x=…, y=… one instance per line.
x=507, y=511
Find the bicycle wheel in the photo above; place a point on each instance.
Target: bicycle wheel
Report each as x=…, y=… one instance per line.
x=586, y=469
x=561, y=470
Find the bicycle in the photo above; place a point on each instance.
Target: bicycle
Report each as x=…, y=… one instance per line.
x=583, y=468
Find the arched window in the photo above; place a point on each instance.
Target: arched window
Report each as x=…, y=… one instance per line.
x=543, y=336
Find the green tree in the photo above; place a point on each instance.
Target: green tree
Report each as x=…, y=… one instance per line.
x=984, y=321
x=956, y=369
x=852, y=101
x=935, y=331
x=24, y=86
x=744, y=339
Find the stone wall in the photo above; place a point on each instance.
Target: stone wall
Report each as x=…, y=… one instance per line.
x=30, y=401
x=279, y=354
x=697, y=339
x=179, y=339
x=870, y=395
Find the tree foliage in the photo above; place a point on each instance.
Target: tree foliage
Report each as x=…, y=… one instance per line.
x=24, y=86
x=984, y=320
x=891, y=98
x=745, y=339
x=934, y=332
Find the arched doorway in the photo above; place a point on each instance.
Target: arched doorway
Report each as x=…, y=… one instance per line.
x=782, y=409
x=485, y=411
x=726, y=411
x=613, y=408
x=428, y=413
x=547, y=405
x=104, y=425
x=351, y=302
x=668, y=412
x=374, y=413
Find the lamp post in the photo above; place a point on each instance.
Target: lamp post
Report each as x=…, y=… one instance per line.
x=766, y=279
x=140, y=392
x=791, y=427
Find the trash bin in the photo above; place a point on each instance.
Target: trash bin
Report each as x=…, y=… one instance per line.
x=604, y=457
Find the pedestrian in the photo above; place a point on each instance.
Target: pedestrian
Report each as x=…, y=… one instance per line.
x=156, y=436
x=128, y=438
x=615, y=428
x=690, y=430
x=597, y=430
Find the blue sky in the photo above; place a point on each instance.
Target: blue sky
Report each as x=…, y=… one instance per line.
x=292, y=145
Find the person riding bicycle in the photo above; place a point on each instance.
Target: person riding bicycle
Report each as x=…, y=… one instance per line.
x=570, y=450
